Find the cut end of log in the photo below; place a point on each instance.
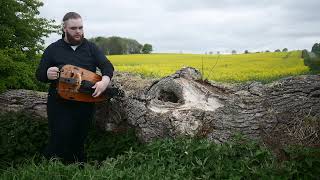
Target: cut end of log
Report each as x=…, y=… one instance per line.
x=191, y=98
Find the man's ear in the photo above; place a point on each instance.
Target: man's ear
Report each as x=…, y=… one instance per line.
x=64, y=27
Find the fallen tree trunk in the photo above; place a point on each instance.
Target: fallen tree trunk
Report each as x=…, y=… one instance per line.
x=33, y=102
x=184, y=105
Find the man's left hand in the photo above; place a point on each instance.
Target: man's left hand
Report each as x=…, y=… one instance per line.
x=101, y=86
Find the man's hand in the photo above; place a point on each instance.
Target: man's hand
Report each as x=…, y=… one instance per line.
x=53, y=73
x=101, y=86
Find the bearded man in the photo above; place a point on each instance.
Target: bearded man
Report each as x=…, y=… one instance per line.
x=69, y=120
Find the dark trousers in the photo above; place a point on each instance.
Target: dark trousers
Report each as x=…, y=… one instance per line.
x=69, y=122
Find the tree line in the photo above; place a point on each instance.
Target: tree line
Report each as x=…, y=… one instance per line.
x=277, y=50
x=248, y=52
x=117, y=45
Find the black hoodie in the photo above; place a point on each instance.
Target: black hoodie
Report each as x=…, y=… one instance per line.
x=87, y=56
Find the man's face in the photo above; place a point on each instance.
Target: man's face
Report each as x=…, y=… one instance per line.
x=73, y=29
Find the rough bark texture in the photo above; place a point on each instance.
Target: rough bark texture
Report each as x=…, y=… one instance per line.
x=182, y=104
x=33, y=102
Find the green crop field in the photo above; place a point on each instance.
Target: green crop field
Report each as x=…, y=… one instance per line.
x=263, y=67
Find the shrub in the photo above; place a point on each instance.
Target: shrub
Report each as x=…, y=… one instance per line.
x=21, y=137
x=18, y=72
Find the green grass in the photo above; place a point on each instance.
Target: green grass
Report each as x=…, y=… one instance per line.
x=121, y=156
x=263, y=67
x=183, y=159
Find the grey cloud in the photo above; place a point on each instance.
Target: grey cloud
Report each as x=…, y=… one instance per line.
x=198, y=26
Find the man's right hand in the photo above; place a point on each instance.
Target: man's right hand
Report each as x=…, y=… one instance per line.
x=53, y=73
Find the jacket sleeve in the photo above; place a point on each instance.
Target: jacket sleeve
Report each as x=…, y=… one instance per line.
x=102, y=62
x=45, y=63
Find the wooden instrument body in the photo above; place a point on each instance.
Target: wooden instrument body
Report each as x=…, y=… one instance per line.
x=71, y=80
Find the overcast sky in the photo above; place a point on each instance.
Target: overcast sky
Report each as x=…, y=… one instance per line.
x=197, y=26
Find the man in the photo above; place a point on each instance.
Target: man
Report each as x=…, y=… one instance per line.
x=69, y=120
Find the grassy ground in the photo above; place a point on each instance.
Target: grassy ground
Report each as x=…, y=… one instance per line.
x=121, y=156
x=183, y=159
x=263, y=67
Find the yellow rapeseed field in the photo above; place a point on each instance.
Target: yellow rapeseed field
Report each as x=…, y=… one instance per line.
x=225, y=68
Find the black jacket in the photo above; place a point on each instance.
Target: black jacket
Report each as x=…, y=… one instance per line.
x=86, y=56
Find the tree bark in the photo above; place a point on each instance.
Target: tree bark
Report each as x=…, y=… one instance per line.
x=33, y=102
x=183, y=104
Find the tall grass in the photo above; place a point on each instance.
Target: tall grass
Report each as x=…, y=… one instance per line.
x=263, y=67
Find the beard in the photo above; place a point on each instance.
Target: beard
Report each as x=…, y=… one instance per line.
x=74, y=41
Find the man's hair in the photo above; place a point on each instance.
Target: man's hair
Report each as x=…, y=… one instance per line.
x=66, y=17
x=71, y=15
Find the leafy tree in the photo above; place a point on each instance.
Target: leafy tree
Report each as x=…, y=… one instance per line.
x=116, y=46
x=133, y=46
x=267, y=51
x=285, y=50
x=234, y=52
x=316, y=49
x=21, y=33
x=246, y=52
x=21, y=29
x=277, y=50
x=146, y=49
